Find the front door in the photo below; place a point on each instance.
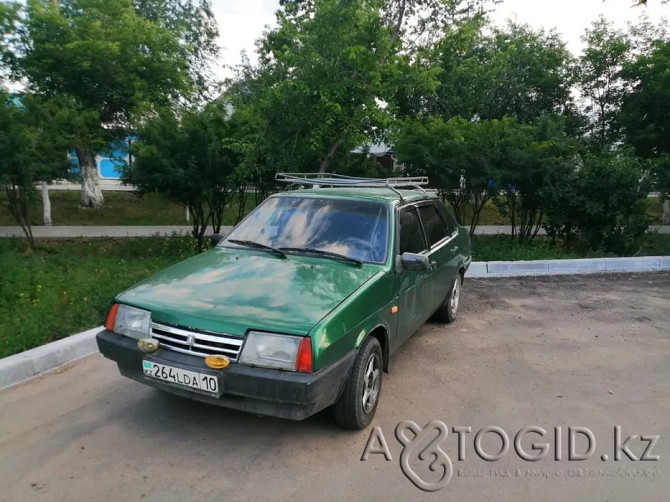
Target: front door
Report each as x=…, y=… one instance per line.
x=412, y=284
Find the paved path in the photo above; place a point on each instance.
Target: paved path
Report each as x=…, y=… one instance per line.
x=547, y=352
x=64, y=231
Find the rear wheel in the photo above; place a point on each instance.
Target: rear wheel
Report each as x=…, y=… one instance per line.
x=448, y=310
x=358, y=402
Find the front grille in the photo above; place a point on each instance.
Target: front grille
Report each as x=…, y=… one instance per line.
x=196, y=343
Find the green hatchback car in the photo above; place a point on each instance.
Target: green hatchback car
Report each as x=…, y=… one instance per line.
x=300, y=307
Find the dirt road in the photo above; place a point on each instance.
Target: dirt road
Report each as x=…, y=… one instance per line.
x=592, y=352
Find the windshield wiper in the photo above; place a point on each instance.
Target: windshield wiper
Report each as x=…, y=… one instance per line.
x=258, y=245
x=326, y=254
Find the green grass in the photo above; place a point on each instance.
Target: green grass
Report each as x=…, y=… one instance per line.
x=120, y=208
x=505, y=248
x=127, y=208
x=66, y=286
x=491, y=216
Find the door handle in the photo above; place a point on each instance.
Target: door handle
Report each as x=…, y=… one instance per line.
x=454, y=249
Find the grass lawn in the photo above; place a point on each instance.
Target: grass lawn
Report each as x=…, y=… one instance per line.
x=127, y=208
x=120, y=208
x=66, y=286
x=504, y=248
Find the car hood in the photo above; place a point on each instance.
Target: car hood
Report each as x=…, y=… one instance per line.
x=232, y=290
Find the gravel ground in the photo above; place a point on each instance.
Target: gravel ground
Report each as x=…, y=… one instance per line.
x=589, y=351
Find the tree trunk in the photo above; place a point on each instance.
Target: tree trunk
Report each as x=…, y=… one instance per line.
x=46, y=204
x=17, y=199
x=666, y=213
x=91, y=195
x=329, y=156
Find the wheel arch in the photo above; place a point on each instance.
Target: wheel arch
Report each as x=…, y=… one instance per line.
x=381, y=334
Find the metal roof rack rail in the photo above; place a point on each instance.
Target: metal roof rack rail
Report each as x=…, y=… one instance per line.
x=340, y=180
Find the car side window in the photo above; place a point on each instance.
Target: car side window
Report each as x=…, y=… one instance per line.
x=448, y=218
x=411, y=235
x=435, y=227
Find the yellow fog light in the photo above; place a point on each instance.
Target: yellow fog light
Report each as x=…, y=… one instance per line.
x=217, y=362
x=148, y=344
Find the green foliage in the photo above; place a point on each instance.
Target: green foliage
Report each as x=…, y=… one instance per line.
x=119, y=60
x=459, y=157
x=600, y=205
x=189, y=160
x=33, y=138
x=64, y=287
x=473, y=162
x=491, y=73
x=322, y=74
x=644, y=111
x=598, y=79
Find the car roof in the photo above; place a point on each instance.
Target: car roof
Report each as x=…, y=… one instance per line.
x=378, y=194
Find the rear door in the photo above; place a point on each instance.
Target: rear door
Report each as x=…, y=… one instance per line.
x=443, y=253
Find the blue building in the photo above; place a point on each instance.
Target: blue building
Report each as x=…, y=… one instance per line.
x=111, y=162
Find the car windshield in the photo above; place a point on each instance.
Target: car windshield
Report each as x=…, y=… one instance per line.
x=357, y=229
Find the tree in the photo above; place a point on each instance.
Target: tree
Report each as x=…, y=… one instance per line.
x=645, y=111
x=119, y=59
x=600, y=204
x=598, y=79
x=491, y=73
x=459, y=157
x=530, y=156
x=34, y=135
x=188, y=158
x=324, y=72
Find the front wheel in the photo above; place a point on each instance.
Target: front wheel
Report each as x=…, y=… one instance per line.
x=358, y=402
x=448, y=310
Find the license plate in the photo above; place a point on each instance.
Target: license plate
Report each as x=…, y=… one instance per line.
x=189, y=379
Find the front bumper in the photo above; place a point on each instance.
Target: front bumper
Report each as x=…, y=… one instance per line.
x=277, y=393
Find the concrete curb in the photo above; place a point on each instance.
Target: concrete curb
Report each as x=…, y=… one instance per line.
x=21, y=367
x=568, y=267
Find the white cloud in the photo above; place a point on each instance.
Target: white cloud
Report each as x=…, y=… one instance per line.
x=572, y=17
x=242, y=22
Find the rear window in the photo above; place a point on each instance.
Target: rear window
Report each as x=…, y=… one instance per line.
x=411, y=235
x=435, y=228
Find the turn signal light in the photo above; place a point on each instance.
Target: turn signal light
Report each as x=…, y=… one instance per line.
x=148, y=344
x=111, y=317
x=303, y=362
x=217, y=362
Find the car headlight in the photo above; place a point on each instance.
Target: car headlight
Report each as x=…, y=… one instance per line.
x=130, y=321
x=277, y=351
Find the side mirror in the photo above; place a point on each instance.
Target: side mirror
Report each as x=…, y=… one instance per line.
x=215, y=239
x=415, y=262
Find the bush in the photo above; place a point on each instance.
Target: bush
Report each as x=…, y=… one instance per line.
x=601, y=205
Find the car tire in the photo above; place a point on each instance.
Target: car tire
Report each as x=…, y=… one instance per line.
x=358, y=402
x=449, y=309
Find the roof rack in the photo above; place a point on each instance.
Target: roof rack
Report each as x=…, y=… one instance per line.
x=340, y=180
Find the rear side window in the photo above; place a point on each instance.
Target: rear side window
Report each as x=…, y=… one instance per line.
x=435, y=227
x=411, y=236
x=447, y=217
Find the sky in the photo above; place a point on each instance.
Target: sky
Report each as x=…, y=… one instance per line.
x=241, y=22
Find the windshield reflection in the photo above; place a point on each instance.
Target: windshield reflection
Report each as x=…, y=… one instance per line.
x=354, y=228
